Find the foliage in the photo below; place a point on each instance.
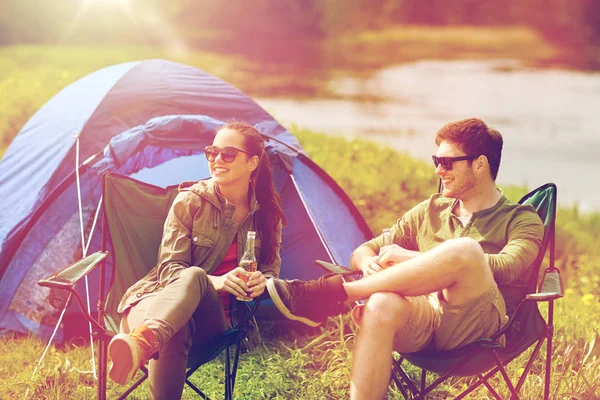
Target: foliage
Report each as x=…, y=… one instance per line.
x=574, y=25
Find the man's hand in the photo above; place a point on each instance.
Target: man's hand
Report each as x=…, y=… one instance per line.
x=394, y=254
x=256, y=284
x=369, y=266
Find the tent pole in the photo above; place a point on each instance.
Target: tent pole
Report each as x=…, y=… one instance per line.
x=102, y=345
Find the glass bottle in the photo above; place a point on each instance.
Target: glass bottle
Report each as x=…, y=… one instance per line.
x=248, y=261
x=387, y=237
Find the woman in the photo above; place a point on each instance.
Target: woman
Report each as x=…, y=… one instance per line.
x=185, y=300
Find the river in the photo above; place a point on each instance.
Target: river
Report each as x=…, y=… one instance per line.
x=549, y=118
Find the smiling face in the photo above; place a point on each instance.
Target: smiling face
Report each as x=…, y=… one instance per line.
x=239, y=170
x=461, y=181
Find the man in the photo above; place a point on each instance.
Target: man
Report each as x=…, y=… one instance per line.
x=436, y=286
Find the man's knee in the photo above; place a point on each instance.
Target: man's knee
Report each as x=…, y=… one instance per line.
x=466, y=253
x=386, y=310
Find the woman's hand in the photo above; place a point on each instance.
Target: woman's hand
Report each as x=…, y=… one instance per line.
x=232, y=283
x=256, y=284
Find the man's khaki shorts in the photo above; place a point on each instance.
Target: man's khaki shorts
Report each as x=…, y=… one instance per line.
x=433, y=324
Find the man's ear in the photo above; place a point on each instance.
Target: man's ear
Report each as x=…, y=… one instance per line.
x=482, y=163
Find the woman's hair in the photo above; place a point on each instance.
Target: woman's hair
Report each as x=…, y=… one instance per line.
x=270, y=212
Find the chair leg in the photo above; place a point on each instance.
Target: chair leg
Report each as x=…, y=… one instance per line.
x=515, y=395
x=102, y=368
x=550, y=334
x=228, y=390
x=491, y=390
x=135, y=384
x=398, y=380
x=475, y=385
x=530, y=362
x=195, y=389
x=405, y=378
x=236, y=358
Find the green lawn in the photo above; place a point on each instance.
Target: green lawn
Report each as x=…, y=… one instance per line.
x=316, y=364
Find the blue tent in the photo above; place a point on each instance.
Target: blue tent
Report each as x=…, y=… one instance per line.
x=149, y=120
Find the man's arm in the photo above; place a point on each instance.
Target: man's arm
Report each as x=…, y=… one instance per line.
x=373, y=256
x=363, y=259
x=525, y=235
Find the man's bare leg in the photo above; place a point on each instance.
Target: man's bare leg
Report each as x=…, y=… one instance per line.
x=457, y=266
x=383, y=316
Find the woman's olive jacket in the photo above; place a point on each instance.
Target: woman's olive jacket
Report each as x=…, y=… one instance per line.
x=198, y=231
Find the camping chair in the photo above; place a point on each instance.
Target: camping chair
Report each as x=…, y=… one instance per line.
x=132, y=224
x=487, y=356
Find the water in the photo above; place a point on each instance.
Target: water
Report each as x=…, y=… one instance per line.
x=549, y=118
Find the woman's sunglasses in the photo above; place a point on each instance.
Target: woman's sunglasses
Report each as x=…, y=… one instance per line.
x=228, y=153
x=446, y=162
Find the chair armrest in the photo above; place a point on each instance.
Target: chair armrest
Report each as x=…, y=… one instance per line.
x=543, y=296
x=551, y=287
x=68, y=277
x=333, y=268
x=336, y=269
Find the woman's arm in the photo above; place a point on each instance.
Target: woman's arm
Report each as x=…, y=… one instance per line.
x=175, y=249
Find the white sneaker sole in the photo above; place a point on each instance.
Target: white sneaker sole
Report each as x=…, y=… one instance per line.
x=122, y=352
x=283, y=309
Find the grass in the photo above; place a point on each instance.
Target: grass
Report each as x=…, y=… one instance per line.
x=316, y=364
x=308, y=367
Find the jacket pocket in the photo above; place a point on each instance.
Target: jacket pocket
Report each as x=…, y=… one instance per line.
x=201, y=247
x=199, y=239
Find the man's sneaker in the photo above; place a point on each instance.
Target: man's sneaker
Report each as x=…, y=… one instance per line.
x=129, y=352
x=310, y=302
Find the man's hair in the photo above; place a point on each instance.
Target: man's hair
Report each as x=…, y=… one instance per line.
x=474, y=137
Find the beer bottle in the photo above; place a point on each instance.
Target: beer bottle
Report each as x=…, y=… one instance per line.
x=248, y=260
x=387, y=237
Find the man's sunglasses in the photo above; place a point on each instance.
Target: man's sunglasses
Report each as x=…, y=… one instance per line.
x=446, y=162
x=228, y=153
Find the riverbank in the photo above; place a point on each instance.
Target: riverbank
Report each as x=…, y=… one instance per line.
x=372, y=50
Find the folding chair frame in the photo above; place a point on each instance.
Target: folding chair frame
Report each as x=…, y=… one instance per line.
x=69, y=276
